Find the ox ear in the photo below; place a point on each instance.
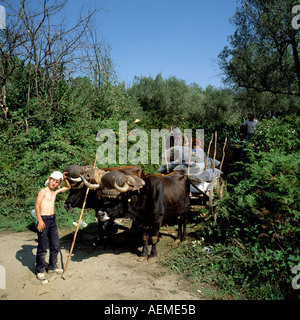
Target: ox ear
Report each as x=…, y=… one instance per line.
x=135, y=183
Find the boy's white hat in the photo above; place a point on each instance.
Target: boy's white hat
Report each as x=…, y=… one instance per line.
x=55, y=175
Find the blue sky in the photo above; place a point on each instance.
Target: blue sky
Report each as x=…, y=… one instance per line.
x=180, y=38
x=174, y=37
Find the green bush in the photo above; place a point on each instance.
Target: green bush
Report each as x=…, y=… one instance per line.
x=239, y=271
x=255, y=238
x=264, y=206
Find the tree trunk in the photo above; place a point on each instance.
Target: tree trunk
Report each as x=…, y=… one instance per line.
x=28, y=100
x=3, y=100
x=297, y=61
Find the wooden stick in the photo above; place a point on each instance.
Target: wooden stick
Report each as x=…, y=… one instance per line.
x=165, y=153
x=190, y=153
x=215, y=151
x=95, y=162
x=75, y=235
x=207, y=155
x=78, y=223
x=223, y=156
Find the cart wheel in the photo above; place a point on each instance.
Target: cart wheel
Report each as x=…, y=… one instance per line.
x=216, y=190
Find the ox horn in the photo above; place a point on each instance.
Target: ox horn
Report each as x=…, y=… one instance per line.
x=134, y=183
x=121, y=189
x=74, y=179
x=90, y=185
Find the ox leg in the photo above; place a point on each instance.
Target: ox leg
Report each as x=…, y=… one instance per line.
x=106, y=229
x=154, y=241
x=183, y=222
x=145, y=247
x=134, y=228
x=101, y=230
x=110, y=228
x=179, y=233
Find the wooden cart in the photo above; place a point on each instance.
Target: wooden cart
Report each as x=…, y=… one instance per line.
x=209, y=193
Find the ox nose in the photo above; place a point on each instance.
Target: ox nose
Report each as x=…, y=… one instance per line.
x=103, y=216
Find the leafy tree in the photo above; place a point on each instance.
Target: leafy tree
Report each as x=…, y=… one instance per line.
x=264, y=51
x=47, y=50
x=266, y=104
x=171, y=102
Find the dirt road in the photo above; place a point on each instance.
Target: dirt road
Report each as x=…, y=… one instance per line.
x=112, y=272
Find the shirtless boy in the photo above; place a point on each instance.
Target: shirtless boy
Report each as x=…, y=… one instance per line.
x=47, y=228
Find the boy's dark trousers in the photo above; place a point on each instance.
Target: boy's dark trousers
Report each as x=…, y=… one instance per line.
x=50, y=232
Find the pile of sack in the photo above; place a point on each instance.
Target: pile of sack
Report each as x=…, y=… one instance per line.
x=178, y=157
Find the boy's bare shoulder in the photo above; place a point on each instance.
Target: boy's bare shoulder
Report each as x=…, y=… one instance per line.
x=43, y=191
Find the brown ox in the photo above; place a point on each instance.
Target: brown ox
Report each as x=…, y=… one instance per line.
x=81, y=177
x=164, y=197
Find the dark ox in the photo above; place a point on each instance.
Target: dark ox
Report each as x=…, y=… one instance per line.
x=163, y=197
x=81, y=177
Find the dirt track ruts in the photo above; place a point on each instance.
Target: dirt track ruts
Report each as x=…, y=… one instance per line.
x=112, y=272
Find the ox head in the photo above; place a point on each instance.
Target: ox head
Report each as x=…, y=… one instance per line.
x=117, y=188
x=88, y=175
x=102, y=184
x=76, y=176
x=120, y=183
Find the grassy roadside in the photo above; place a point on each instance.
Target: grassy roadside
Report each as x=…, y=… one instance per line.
x=21, y=220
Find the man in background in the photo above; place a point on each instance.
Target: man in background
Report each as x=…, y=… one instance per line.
x=251, y=123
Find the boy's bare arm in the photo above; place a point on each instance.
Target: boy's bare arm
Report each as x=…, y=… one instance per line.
x=39, y=199
x=67, y=184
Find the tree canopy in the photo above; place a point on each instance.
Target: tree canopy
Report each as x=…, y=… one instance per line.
x=59, y=87
x=264, y=51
